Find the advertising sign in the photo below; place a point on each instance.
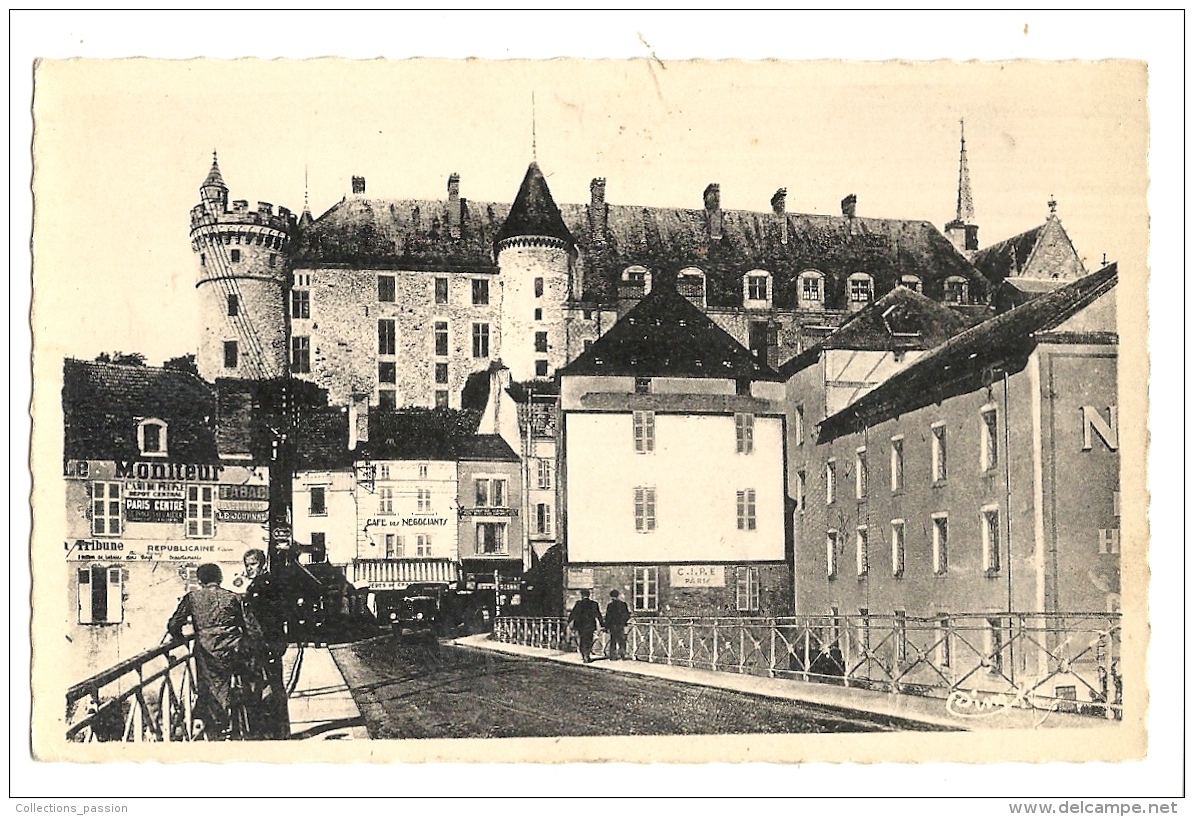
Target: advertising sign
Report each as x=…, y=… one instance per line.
x=138, y=509
x=699, y=576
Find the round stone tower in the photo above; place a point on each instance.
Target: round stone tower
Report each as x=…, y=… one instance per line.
x=536, y=254
x=244, y=274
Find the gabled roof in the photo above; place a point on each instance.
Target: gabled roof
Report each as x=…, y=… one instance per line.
x=665, y=335
x=900, y=320
x=534, y=212
x=102, y=403
x=958, y=365
x=1007, y=257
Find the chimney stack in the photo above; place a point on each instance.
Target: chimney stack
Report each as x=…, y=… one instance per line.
x=598, y=212
x=779, y=206
x=849, y=205
x=358, y=185
x=454, y=205
x=358, y=420
x=713, y=210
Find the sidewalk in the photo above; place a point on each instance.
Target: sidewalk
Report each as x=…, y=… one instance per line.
x=321, y=707
x=930, y=711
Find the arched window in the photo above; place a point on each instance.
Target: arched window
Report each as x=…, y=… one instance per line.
x=151, y=437
x=811, y=291
x=912, y=282
x=638, y=275
x=860, y=289
x=756, y=289
x=956, y=291
x=690, y=282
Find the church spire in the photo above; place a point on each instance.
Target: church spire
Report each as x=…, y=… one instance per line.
x=965, y=200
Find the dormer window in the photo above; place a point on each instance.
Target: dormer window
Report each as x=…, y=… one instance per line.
x=690, y=282
x=956, y=290
x=812, y=289
x=861, y=289
x=638, y=276
x=151, y=437
x=756, y=289
x=912, y=282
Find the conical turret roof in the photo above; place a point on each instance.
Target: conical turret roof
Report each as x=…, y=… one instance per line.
x=214, y=179
x=534, y=212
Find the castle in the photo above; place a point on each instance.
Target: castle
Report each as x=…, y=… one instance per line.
x=396, y=303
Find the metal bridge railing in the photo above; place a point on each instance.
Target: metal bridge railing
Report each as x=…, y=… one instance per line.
x=977, y=662
x=149, y=697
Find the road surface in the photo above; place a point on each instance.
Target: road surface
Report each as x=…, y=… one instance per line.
x=429, y=690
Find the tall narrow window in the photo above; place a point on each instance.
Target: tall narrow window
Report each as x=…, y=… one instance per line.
x=897, y=548
x=423, y=500
x=383, y=471
x=831, y=554
x=201, y=514
x=798, y=425
x=441, y=338
x=233, y=305
x=231, y=354
x=747, y=595
x=234, y=255
x=386, y=337
x=862, y=558
x=990, y=534
x=106, y=519
x=441, y=372
x=990, y=439
x=319, y=505
x=395, y=546
x=541, y=342
x=319, y=547
x=441, y=290
x=860, y=473
x=543, y=519
x=644, y=509
x=423, y=544
x=423, y=470
x=497, y=493
x=801, y=491
x=746, y=509
x=300, y=354
x=300, y=303
x=151, y=437
x=387, y=372
x=939, y=461
x=387, y=292
x=541, y=368
x=538, y=287
x=480, y=292
x=644, y=431
x=744, y=429
x=897, y=464
x=830, y=482
x=385, y=501
x=646, y=589
x=940, y=544
x=545, y=469
x=481, y=339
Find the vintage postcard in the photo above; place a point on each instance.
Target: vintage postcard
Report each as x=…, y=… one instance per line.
x=568, y=410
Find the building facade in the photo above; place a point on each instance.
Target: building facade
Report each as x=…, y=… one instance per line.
x=673, y=480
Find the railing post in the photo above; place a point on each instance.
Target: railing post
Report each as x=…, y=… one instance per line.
x=771, y=660
x=805, y=663
x=715, y=639
x=691, y=642
x=669, y=642
x=741, y=648
x=651, y=642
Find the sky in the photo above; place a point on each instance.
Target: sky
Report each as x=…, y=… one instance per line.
x=122, y=146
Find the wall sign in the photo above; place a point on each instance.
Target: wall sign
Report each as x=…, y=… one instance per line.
x=699, y=576
x=138, y=509
x=234, y=515
x=489, y=511
x=245, y=493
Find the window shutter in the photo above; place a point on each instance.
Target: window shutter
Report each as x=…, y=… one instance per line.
x=115, y=596
x=85, y=595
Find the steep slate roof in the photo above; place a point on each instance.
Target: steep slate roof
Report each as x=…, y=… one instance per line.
x=902, y=319
x=384, y=234
x=665, y=335
x=103, y=402
x=488, y=447
x=1007, y=257
x=957, y=366
x=321, y=440
x=214, y=177
x=534, y=211
x=434, y=435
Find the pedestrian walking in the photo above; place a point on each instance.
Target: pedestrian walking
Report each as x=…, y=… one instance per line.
x=267, y=602
x=223, y=635
x=617, y=616
x=585, y=618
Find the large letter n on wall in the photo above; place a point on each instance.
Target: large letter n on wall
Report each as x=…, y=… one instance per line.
x=1108, y=431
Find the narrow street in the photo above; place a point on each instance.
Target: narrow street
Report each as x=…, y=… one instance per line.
x=431, y=690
